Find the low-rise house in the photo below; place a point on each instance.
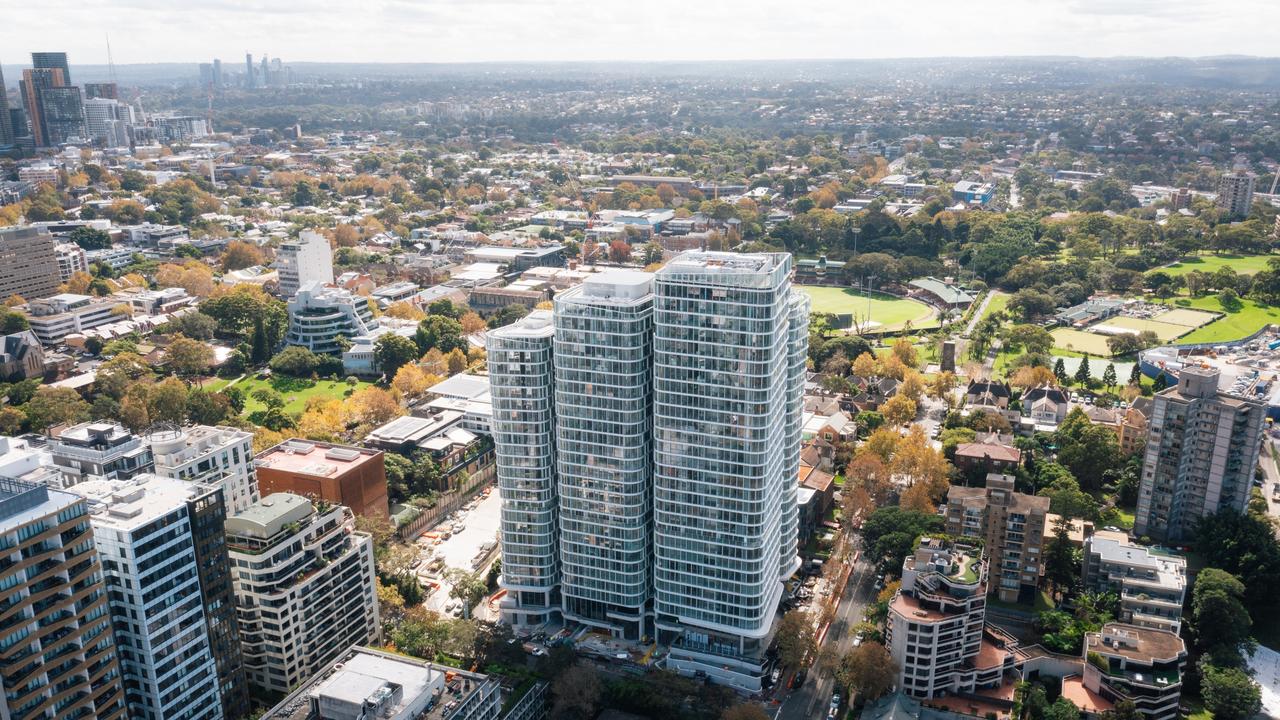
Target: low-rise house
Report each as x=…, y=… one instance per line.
x=987, y=394
x=988, y=457
x=1134, y=426
x=1046, y=405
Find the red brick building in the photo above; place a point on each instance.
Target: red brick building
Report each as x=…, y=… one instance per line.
x=350, y=476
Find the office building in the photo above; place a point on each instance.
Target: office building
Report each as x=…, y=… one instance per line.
x=366, y=683
x=28, y=263
x=1201, y=451
x=730, y=344
x=7, y=132
x=106, y=90
x=250, y=81
x=144, y=531
x=521, y=375
x=99, y=451
x=106, y=122
x=603, y=361
x=52, y=61
x=1235, y=192
x=1010, y=523
x=935, y=626
x=28, y=460
x=350, y=476
x=304, y=586
x=1136, y=664
x=30, y=87
x=58, y=657
x=62, y=115
x=209, y=455
x=321, y=317
x=53, y=318
x=1151, y=583
x=308, y=259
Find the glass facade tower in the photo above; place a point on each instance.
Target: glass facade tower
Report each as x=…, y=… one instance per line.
x=603, y=364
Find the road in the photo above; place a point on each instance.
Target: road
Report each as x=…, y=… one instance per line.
x=1271, y=481
x=977, y=314
x=811, y=699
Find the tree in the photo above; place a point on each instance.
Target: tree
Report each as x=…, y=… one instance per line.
x=898, y=410
x=456, y=361
x=167, y=401
x=392, y=351
x=890, y=533
x=240, y=255
x=1032, y=376
x=472, y=323
x=1061, y=559
x=1061, y=709
x=272, y=399
x=405, y=311
x=204, y=408
x=1245, y=546
x=90, y=238
x=411, y=382
x=296, y=361
x=576, y=692
x=188, y=357
x=619, y=251
x=1083, y=374
x=1109, y=375
x=1086, y=449
x=1135, y=375
x=115, y=376
x=11, y=420
x=54, y=406
x=374, y=406
x=866, y=366
x=195, y=325
x=467, y=587
x=1229, y=693
x=505, y=316
x=1218, y=616
x=797, y=639
x=867, y=671
x=239, y=311
x=441, y=333
x=1060, y=371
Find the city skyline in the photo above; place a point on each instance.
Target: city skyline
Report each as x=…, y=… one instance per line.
x=671, y=31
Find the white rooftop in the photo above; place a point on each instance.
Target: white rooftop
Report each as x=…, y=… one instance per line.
x=128, y=504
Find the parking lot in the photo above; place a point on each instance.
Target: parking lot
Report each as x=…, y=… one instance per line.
x=470, y=545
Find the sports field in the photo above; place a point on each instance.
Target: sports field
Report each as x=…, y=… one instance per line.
x=1242, y=264
x=886, y=311
x=1163, y=330
x=1189, y=318
x=1080, y=341
x=1233, y=325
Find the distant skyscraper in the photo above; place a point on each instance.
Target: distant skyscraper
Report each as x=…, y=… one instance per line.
x=1200, y=455
x=1235, y=192
x=249, y=71
x=108, y=90
x=34, y=82
x=59, y=659
x=206, y=75
x=63, y=115
x=53, y=60
x=217, y=73
x=7, y=133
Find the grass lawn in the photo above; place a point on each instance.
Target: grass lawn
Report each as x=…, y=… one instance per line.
x=889, y=312
x=999, y=301
x=1080, y=341
x=1243, y=264
x=1164, y=330
x=1232, y=326
x=296, y=391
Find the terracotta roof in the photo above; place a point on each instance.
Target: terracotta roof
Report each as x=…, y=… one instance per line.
x=1001, y=453
x=1087, y=700
x=818, y=480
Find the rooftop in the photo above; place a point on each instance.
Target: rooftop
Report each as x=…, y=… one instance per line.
x=462, y=385
x=1136, y=644
x=269, y=515
x=537, y=324
x=129, y=504
x=314, y=458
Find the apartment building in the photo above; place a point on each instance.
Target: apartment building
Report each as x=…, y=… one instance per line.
x=210, y=455
x=54, y=318
x=1010, y=523
x=521, y=373
x=1151, y=583
x=144, y=532
x=304, y=586
x=1202, y=448
x=730, y=345
x=603, y=361
x=367, y=683
x=1141, y=665
x=935, y=625
x=99, y=451
x=350, y=476
x=319, y=316
x=28, y=263
x=71, y=259
x=1235, y=192
x=58, y=655
x=303, y=261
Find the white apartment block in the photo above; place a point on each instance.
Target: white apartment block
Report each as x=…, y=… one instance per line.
x=54, y=318
x=144, y=535
x=304, y=585
x=210, y=455
x=520, y=377
x=309, y=259
x=730, y=341
x=319, y=315
x=934, y=630
x=604, y=452
x=1152, y=584
x=71, y=259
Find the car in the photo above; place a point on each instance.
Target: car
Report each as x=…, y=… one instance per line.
x=799, y=678
x=775, y=676
x=857, y=640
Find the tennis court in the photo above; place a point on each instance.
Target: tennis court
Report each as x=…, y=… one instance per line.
x=1189, y=318
x=1080, y=341
x=1163, y=330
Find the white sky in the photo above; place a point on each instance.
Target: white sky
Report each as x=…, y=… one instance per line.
x=514, y=30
